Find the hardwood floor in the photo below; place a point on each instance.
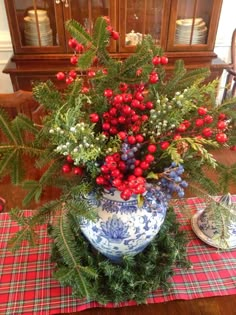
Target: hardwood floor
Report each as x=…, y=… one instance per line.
x=225, y=305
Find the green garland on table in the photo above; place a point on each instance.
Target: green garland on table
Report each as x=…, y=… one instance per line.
x=133, y=279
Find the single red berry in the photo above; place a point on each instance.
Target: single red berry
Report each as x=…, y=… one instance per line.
x=135, y=103
x=139, y=96
x=131, y=139
x=106, y=126
x=221, y=137
x=91, y=74
x=113, y=130
x=187, y=123
x=74, y=60
x=202, y=111
x=182, y=127
x=164, y=145
x=69, y=159
x=123, y=86
x=156, y=60
x=233, y=148
x=139, y=72
x=126, y=194
x=100, y=180
x=164, y=60
x=73, y=74
x=118, y=99
x=140, y=189
x=121, y=120
x=60, y=75
x=66, y=168
x=144, y=165
x=107, y=19
x=199, y=122
x=78, y=171
x=153, y=78
x=177, y=137
x=94, y=118
x=144, y=117
x=122, y=135
x=85, y=89
x=138, y=171
x=222, y=116
x=79, y=48
x=152, y=148
x=72, y=42
x=139, y=138
x=126, y=110
x=221, y=125
x=127, y=97
x=208, y=119
x=116, y=182
x=115, y=35
x=109, y=28
x=149, y=158
x=69, y=80
x=207, y=132
x=149, y=105
x=105, y=71
x=108, y=93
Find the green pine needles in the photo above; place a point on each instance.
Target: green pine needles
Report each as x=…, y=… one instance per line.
x=165, y=119
x=93, y=276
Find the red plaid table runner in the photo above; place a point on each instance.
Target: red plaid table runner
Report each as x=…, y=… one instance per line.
x=27, y=286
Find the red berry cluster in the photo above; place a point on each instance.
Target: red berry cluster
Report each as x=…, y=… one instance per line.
x=127, y=112
x=116, y=171
x=113, y=173
x=115, y=35
x=215, y=130
x=71, y=75
x=68, y=167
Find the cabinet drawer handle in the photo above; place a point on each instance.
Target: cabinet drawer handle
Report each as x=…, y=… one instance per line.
x=63, y=1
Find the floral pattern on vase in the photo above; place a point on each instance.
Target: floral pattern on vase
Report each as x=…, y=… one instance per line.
x=122, y=227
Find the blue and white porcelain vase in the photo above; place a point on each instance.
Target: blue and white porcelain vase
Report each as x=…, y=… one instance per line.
x=122, y=227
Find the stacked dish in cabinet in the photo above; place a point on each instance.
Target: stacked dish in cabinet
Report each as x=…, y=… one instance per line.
x=37, y=30
x=187, y=27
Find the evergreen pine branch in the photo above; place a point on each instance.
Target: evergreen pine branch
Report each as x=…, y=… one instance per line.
x=35, y=192
x=79, y=33
x=100, y=34
x=6, y=127
x=22, y=122
x=192, y=77
x=179, y=72
x=67, y=246
x=46, y=94
x=86, y=60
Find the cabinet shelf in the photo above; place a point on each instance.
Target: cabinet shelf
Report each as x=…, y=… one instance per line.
x=185, y=29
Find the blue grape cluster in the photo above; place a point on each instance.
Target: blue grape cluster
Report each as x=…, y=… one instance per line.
x=172, y=182
x=128, y=154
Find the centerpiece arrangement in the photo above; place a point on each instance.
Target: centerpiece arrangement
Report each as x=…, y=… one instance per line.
x=119, y=142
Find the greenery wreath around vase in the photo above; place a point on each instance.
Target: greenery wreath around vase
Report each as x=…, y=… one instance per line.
x=120, y=127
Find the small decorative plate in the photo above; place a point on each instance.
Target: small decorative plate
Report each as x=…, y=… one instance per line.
x=204, y=233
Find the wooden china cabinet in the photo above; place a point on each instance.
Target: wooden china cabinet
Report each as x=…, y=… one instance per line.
x=185, y=29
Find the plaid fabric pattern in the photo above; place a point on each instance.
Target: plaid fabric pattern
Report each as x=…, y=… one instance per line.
x=27, y=286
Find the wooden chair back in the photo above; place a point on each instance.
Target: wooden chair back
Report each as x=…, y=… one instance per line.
x=22, y=102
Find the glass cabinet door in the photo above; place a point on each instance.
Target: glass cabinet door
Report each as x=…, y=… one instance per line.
x=139, y=18
x=192, y=24
x=39, y=24
x=87, y=11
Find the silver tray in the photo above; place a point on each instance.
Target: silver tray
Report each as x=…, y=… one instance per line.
x=210, y=241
